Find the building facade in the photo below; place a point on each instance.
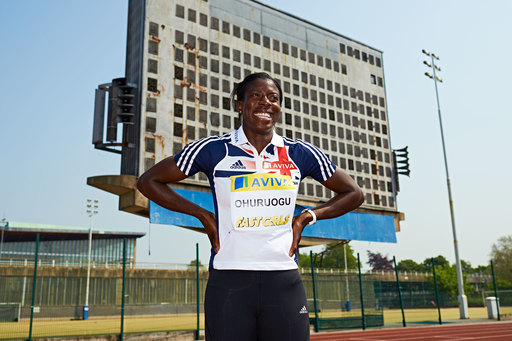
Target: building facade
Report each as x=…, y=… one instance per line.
x=183, y=60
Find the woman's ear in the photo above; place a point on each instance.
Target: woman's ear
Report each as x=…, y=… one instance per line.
x=240, y=105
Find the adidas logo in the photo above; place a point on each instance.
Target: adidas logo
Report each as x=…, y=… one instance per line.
x=238, y=165
x=303, y=310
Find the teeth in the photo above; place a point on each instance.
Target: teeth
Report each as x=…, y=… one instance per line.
x=262, y=115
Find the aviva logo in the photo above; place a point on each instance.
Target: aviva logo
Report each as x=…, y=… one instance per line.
x=260, y=182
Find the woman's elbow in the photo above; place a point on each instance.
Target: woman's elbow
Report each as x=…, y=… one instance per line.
x=359, y=197
x=141, y=184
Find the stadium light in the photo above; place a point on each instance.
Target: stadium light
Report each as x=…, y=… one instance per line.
x=463, y=301
x=92, y=209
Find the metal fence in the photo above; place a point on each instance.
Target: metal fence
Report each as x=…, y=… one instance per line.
x=48, y=301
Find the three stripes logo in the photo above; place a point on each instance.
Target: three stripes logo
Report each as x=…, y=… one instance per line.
x=238, y=165
x=304, y=310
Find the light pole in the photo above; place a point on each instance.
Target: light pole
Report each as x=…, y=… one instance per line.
x=92, y=209
x=3, y=222
x=463, y=302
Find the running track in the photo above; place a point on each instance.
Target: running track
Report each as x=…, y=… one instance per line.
x=492, y=331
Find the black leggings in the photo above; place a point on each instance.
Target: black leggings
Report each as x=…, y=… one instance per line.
x=255, y=306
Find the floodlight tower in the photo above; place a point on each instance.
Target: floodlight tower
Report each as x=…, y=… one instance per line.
x=92, y=209
x=463, y=301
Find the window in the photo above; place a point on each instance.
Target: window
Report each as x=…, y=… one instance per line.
x=152, y=84
x=191, y=15
x=214, y=83
x=191, y=58
x=236, y=31
x=247, y=58
x=225, y=51
x=191, y=40
x=214, y=48
x=266, y=41
x=377, y=61
x=342, y=48
x=294, y=51
x=203, y=45
x=373, y=79
x=178, y=72
x=214, y=23
x=178, y=112
x=285, y=48
x=266, y=65
x=179, y=37
x=247, y=34
x=225, y=27
x=180, y=11
x=256, y=38
x=311, y=57
x=236, y=55
x=152, y=66
x=214, y=65
x=151, y=104
x=153, y=47
x=275, y=45
x=226, y=70
x=203, y=19
x=257, y=62
x=153, y=29
x=150, y=124
x=277, y=68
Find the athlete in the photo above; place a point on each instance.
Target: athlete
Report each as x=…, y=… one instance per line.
x=254, y=289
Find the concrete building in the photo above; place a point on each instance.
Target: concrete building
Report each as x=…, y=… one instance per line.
x=183, y=59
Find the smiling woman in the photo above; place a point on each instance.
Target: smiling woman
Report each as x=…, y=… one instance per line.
x=254, y=289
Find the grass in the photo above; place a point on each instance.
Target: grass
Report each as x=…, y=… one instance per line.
x=43, y=327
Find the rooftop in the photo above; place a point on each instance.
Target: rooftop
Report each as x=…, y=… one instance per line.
x=14, y=231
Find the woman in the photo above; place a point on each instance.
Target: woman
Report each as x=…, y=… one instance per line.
x=254, y=290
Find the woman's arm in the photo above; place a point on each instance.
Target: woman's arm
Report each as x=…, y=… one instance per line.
x=153, y=185
x=349, y=197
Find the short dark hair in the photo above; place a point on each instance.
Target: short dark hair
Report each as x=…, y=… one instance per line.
x=239, y=90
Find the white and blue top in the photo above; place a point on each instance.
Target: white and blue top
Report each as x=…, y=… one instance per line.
x=254, y=195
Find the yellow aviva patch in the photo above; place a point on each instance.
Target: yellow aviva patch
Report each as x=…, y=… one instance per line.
x=260, y=182
x=275, y=220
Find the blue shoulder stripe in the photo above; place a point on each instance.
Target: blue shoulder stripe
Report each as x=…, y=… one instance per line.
x=323, y=161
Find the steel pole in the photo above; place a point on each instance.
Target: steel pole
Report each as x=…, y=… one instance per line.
x=347, y=304
x=463, y=302
x=86, y=305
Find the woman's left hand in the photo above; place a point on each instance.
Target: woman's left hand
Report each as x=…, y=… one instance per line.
x=298, y=223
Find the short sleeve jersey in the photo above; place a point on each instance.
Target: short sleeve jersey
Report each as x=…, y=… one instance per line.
x=254, y=195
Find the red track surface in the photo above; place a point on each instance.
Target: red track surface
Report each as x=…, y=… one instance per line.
x=467, y=331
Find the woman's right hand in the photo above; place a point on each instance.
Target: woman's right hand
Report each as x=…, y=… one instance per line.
x=209, y=222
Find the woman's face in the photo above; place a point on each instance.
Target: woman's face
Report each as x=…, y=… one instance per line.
x=260, y=107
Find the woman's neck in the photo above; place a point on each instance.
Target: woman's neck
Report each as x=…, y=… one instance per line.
x=258, y=141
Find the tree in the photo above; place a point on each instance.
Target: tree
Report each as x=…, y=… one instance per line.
x=379, y=262
x=438, y=261
x=332, y=256
x=192, y=264
x=501, y=254
x=410, y=266
x=447, y=282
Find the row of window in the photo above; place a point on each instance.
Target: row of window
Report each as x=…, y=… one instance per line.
x=295, y=89
x=258, y=39
x=365, y=57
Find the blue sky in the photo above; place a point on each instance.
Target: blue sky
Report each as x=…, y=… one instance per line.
x=55, y=53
